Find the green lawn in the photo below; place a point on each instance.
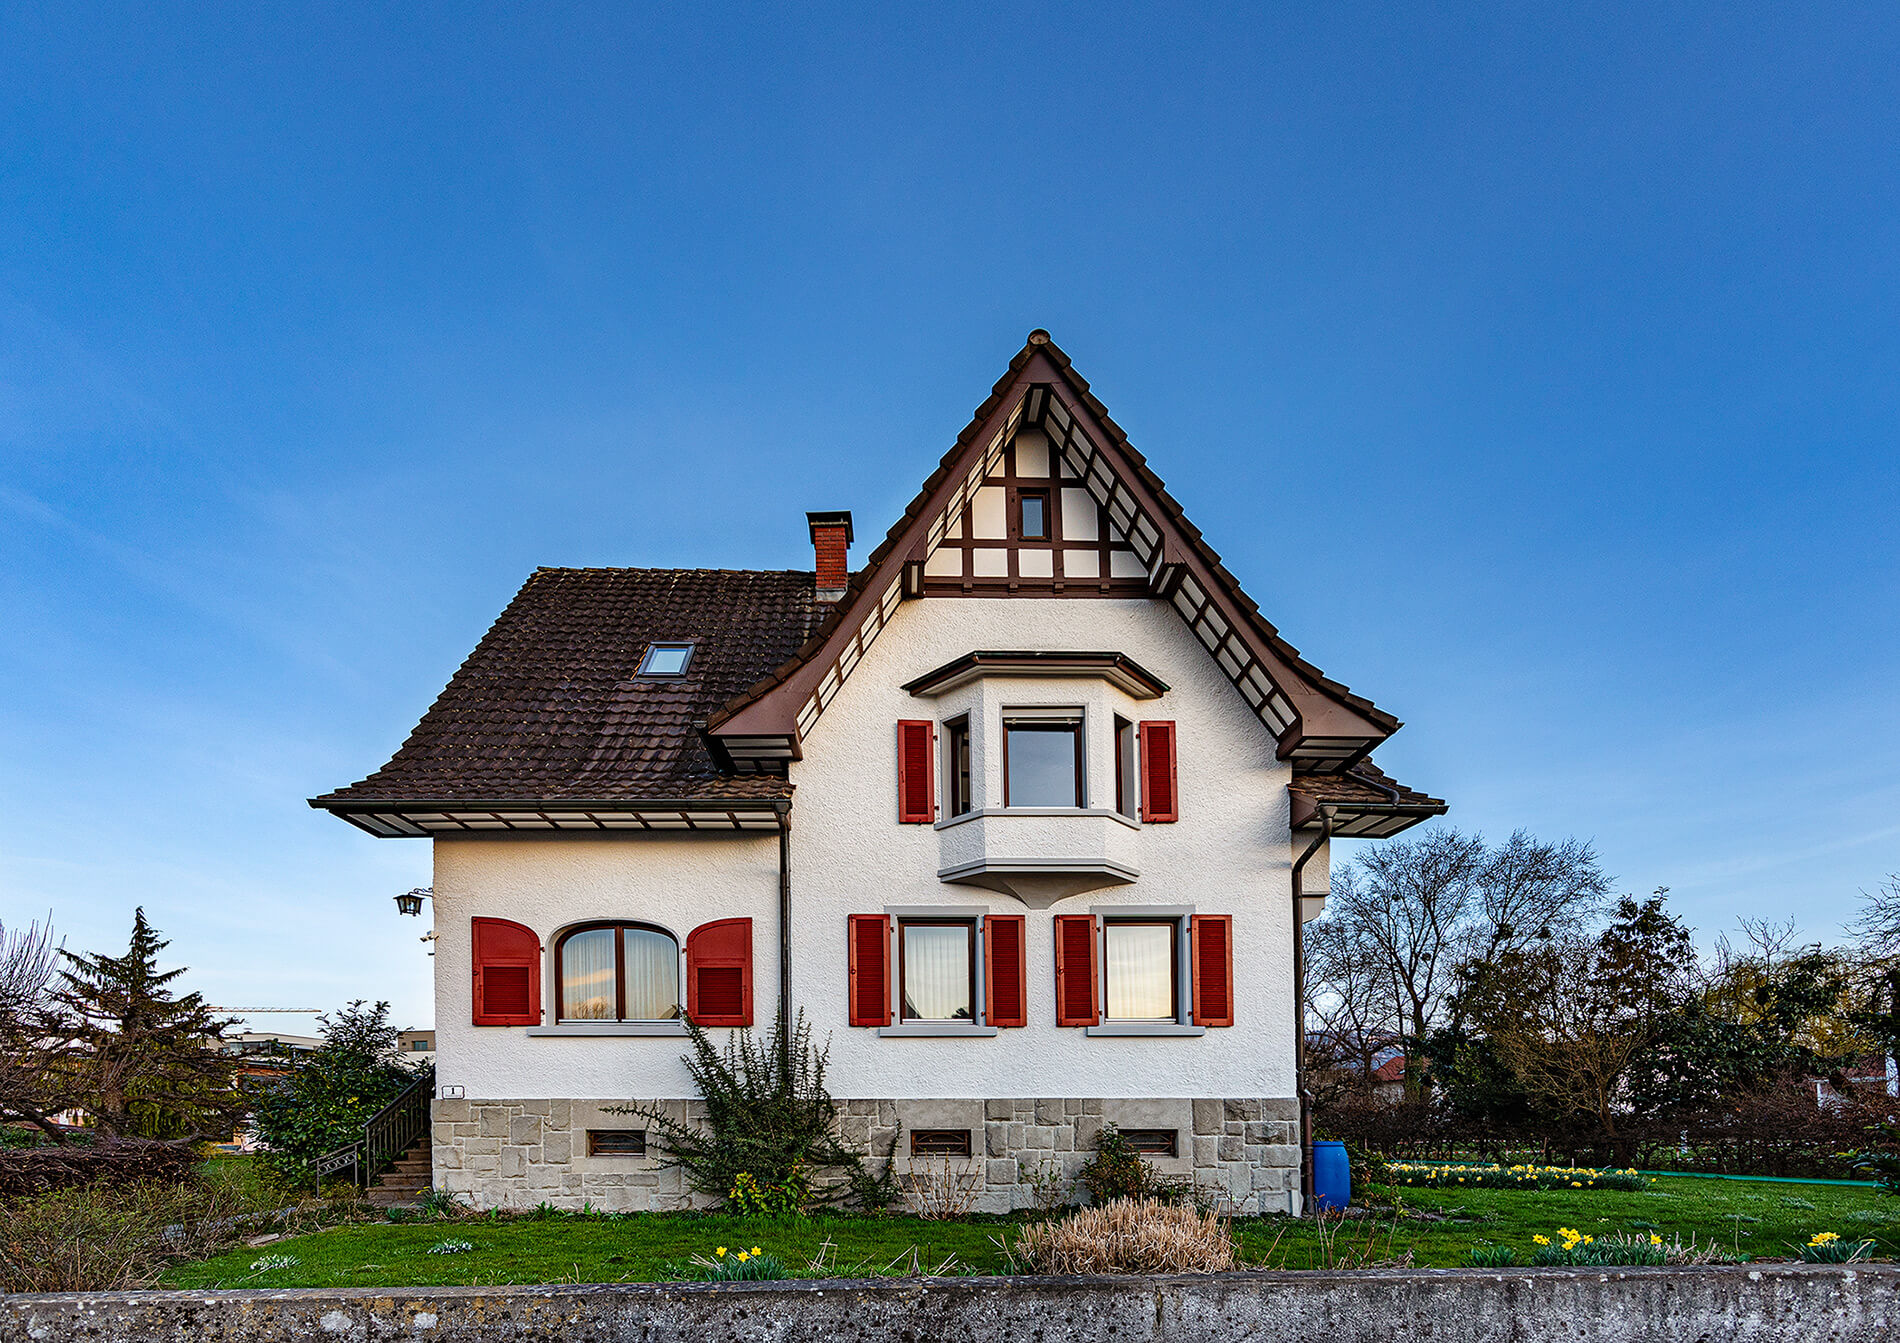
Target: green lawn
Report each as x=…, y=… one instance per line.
x=1755, y=1219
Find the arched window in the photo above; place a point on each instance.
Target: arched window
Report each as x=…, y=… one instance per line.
x=617, y=972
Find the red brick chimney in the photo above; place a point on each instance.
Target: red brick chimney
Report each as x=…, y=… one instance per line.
x=831, y=539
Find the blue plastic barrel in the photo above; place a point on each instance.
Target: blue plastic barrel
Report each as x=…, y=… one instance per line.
x=1332, y=1175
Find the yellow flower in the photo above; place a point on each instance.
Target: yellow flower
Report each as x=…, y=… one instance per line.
x=1824, y=1238
x=1541, y=1240
x=721, y=1252
x=1655, y=1239
x=743, y=1256
x=756, y=1251
x=1589, y=1240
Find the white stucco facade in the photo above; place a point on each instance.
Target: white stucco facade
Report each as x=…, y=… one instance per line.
x=1229, y=853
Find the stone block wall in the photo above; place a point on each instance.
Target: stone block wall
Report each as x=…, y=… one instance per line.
x=518, y=1153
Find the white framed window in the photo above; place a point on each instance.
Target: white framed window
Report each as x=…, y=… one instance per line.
x=936, y=970
x=935, y=978
x=1146, y=965
x=1141, y=969
x=1043, y=758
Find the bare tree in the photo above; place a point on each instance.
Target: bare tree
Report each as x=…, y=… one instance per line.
x=1529, y=890
x=1877, y=926
x=1350, y=1010
x=1418, y=908
x=36, y=1033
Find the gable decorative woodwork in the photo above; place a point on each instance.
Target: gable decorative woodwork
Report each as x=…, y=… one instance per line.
x=1040, y=407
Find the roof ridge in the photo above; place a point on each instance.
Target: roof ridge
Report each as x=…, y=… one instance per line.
x=663, y=569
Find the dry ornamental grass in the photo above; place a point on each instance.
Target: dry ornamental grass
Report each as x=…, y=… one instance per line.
x=1128, y=1236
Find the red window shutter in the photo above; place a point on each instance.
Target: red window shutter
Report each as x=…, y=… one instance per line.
x=1005, y=970
x=719, y=973
x=1159, y=796
x=1076, y=998
x=507, y=961
x=916, y=772
x=870, y=970
x=1211, y=950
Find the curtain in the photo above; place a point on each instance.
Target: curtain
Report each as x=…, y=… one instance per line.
x=587, y=976
x=1140, y=971
x=937, y=972
x=653, y=975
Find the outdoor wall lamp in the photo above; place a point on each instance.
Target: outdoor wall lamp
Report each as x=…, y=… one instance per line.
x=410, y=902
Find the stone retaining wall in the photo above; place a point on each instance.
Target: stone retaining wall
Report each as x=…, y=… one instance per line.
x=518, y=1153
x=1772, y=1304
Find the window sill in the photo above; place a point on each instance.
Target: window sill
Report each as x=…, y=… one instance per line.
x=1143, y=1028
x=581, y=1028
x=980, y=812
x=927, y=1029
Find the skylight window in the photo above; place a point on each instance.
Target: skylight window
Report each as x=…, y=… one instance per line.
x=666, y=660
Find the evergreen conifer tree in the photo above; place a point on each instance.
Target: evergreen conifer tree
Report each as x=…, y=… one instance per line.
x=148, y=1064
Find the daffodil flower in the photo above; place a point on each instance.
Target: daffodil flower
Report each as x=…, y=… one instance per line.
x=721, y=1252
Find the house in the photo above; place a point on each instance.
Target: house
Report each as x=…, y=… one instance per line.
x=416, y=1047
x=1021, y=813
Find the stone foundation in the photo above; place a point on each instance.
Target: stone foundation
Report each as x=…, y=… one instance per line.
x=1243, y=1153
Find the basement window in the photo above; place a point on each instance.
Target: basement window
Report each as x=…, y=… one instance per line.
x=944, y=1142
x=1153, y=1141
x=666, y=660
x=616, y=1142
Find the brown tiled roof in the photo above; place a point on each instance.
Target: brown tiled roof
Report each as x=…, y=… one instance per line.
x=547, y=707
x=1365, y=784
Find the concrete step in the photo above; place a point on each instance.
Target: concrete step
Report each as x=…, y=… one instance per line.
x=391, y=1180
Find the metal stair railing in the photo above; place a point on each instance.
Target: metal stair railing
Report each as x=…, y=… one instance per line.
x=390, y=1132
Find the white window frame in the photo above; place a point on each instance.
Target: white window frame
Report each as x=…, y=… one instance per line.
x=1180, y=916
x=978, y=1026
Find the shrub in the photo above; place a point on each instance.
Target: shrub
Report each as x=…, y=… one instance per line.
x=943, y=1189
x=1513, y=1177
x=768, y=1118
x=26, y=1171
x=98, y=1239
x=1117, y=1170
x=1127, y=1236
x=336, y=1089
x=749, y=1198
x=1492, y=1256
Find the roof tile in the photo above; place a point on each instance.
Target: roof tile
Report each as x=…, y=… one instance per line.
x=548, y=706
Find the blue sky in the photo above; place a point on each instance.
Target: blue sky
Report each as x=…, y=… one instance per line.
x=1536, y=370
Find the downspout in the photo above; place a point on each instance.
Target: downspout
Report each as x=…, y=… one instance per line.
x=1326, y=812
x=784, y=810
